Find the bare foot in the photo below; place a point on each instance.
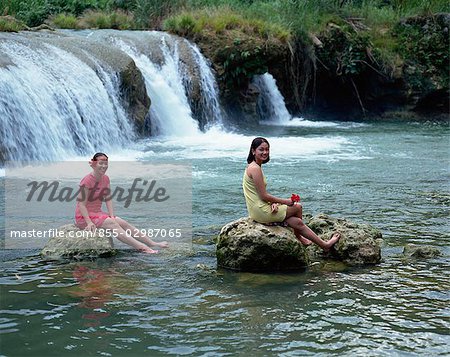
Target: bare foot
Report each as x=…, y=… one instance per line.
x=304, y=241
x=148, y=250
x=333, y=240
x=162, y=244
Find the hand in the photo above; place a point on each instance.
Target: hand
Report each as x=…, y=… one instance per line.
x=274, y=207
x=295, y=198
x=90, y=227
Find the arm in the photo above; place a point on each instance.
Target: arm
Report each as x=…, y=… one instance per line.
x=255, y=173
x=108, y=200
x=83, y=196
x=109, y=206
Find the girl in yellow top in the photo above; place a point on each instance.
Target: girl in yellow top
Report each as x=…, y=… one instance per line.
x=265, y=208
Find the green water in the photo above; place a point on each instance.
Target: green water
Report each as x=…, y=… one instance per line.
x=393, y=176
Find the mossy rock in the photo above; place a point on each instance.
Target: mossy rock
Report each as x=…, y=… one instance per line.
x=73, y=243
x=360, y=244
x=246, y=245
x=421, y=251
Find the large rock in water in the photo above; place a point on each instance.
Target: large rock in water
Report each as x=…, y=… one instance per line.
x=73, y=243
x=250, y=246
x=360, y=244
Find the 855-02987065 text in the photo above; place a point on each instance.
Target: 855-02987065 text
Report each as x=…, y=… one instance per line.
x=156, y=232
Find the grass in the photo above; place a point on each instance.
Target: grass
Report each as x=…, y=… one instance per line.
x=92, y=19
x=64, y=21
x=218, y=20
x=277, y=19
x=10, y=24
x=295, y=16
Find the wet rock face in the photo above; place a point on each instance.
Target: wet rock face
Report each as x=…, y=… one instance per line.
x=134, y=95
x=246, y=245
x=71, y=243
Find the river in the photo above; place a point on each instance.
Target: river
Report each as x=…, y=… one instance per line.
x=393, y=175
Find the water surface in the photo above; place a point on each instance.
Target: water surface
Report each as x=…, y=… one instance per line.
x=394, y=176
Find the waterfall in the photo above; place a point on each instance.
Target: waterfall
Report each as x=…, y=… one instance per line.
x=59, y=100
x=53, y=105
x=271, y=103
x=212, y=112
x=170, y=113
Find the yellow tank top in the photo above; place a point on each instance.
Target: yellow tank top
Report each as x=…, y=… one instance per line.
x=257, y=209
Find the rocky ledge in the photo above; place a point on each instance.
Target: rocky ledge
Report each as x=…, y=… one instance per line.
x=73, y=243
x=246, y=245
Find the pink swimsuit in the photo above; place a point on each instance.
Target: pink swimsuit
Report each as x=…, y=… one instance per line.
x=97, y=192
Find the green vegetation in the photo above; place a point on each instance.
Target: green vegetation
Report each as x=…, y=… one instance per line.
x=218, y=20
x=239, y=46
x=64, y=21
x=10, y=24
x=296, y=16
x=425, y=47
x=347, y=38
x=118, y=19
x=280, y=19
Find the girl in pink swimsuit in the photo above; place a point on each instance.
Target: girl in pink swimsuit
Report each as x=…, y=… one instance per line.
x=94, y=189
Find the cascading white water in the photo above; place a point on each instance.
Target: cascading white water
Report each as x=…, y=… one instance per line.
x=53, y=105
x=209, y=89
x=271, y=103
x=170, y=112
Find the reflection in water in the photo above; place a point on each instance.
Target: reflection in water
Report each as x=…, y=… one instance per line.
x=95, y=290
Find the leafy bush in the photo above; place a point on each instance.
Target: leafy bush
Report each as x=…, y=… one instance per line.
x=34, y=15
x=423, y=43
x=344, y=51
x=241, y=64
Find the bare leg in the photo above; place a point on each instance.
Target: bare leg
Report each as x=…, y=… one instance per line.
x=303, y=240
x=137, y=234
x=121, y=235
x=306, y=232
x=297, y=211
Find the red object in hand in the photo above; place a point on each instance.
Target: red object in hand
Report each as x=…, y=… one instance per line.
x=295, y=198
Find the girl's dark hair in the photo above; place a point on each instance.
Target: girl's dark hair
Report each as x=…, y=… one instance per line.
x=255, y=143
x=97, y=155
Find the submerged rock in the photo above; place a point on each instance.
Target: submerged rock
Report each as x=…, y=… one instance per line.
x=246, y=245
x=421, y=251
x=74, y=243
